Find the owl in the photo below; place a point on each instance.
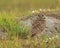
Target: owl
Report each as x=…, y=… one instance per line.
x=34, y=23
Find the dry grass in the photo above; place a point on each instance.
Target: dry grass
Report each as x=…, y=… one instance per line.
x=10, y=24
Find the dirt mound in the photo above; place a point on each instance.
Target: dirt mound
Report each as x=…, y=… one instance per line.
x=52, y=14
x=52, y=26
x=38, y=22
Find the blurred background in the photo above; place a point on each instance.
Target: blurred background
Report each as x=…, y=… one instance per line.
x=22, y=5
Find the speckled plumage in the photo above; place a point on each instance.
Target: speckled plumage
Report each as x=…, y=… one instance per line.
x=35, y=22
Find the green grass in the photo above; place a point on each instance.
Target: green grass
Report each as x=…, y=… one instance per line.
x=10, y=23
x=10, y=13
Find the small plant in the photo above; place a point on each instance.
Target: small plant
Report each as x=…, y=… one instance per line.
x=24, y=29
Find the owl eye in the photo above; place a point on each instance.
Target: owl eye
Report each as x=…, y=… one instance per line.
x=42, y=15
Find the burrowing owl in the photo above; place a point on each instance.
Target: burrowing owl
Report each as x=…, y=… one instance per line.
x=35, y=22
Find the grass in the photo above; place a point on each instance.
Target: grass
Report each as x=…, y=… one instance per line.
x=9, y=23
x=53, y=42
x=10, y=13
x=28, y=4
